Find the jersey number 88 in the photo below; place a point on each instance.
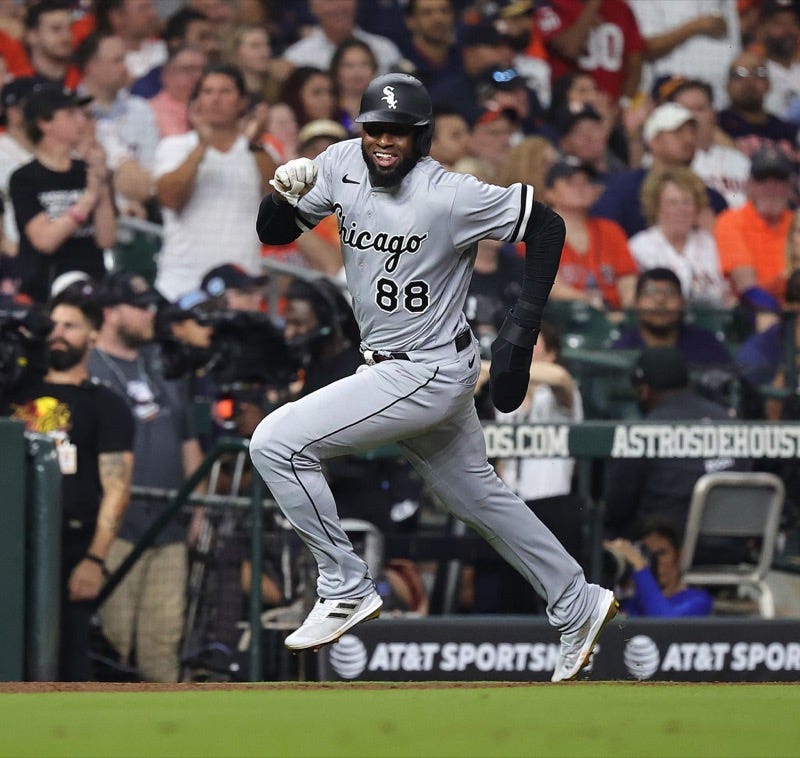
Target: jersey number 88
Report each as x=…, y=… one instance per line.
x=415, y=295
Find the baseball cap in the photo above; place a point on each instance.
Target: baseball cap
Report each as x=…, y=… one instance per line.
x=666, y=118
x=483, y=33
x=68, y=279
x=321, y=127
x=568, y=116
x=15, y=91
x=512, y=8
x=770, y=8
x=128, y=288
x=770, y=162
x=663, y=368
x=502, y=79
x=489, y=114
x=664, y=87
x=568, y=166
x=193, y=304
x=229, y=276
x=44, y=100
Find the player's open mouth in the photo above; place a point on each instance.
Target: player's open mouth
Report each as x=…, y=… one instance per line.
x=385, y=160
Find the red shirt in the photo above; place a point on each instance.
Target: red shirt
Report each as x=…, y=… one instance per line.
x=13, y=53
x=18, y=63
x=607, y=259
x=610, y=42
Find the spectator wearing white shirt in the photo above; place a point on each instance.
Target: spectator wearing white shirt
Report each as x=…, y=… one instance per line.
x=210, y=182
x=125, y=125
x=716, y=161
x=136, y=21
x=553, y=397
x=337, y=22
x=685, y=37
x=779, y=34
x=15, y=150
x=672, y=200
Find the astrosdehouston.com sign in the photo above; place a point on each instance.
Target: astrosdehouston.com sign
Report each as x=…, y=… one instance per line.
x=645, y=440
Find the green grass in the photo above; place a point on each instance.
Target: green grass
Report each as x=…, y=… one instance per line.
x=603, y=719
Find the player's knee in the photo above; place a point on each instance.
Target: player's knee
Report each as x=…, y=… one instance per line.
x=267, y=449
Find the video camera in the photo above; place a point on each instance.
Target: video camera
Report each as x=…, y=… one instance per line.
x=246, y=349
x=23, y=345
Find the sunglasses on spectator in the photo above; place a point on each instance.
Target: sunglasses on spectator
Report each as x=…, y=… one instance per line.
x=743, y=72
x=377, y=128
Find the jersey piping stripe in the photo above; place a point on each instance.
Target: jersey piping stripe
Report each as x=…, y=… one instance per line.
x=303, y=222
x=524, y=213
x=341, y=429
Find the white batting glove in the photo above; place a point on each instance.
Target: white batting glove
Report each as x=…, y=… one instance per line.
x=294, y=179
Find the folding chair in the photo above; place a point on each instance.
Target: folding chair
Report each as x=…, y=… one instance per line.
x=735, y=504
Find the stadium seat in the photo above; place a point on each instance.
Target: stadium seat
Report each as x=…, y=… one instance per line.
x=735, y=504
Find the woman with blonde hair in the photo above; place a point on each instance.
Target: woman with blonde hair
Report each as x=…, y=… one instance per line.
x=527, y=162
x=673, y=201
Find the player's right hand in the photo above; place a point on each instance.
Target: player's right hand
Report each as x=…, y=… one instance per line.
x=294, y=179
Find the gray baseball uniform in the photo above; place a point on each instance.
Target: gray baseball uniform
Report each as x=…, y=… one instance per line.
x=408, y=254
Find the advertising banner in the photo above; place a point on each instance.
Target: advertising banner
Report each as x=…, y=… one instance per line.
x=517, y=649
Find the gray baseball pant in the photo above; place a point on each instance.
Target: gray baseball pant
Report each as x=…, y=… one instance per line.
x=425, y=405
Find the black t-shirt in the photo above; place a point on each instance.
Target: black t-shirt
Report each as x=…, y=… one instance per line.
x=34, y=188
x=89, y=416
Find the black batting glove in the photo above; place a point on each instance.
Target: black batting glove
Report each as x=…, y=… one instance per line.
x=512, y=353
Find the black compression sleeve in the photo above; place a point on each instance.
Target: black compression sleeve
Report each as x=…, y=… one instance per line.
x=544, y=240
x=276, y=222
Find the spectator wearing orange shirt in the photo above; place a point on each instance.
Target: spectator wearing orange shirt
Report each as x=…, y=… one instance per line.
x=596, y=264
x=752, y=239
x=48, y=37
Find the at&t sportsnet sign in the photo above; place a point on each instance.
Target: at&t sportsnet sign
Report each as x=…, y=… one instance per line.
x=510, y=649
x=643, y=440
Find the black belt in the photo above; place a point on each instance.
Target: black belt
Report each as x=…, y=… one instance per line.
x=462, y=340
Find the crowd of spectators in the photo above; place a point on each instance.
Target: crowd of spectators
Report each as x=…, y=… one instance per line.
x=665, y=135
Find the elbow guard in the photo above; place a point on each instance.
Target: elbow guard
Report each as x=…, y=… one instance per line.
x=276, y=222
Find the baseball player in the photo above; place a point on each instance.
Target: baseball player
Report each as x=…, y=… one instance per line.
x=409, y=232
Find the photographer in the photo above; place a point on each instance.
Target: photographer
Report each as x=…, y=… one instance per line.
x=654, y=572
x=93, y=430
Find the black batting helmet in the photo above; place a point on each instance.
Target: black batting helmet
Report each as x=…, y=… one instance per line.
x=399, y=99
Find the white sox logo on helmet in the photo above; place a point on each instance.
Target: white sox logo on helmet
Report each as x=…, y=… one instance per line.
x=388, y=96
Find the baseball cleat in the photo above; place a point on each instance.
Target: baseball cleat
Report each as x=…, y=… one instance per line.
x=330, y=619
x=577, y=646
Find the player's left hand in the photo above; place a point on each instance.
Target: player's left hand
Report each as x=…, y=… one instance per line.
x=512, y=353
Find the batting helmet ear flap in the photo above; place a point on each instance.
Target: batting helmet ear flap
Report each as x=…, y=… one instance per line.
x=422, y=142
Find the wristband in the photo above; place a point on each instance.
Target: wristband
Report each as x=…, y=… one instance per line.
x=78, y=217
x=98, y=560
